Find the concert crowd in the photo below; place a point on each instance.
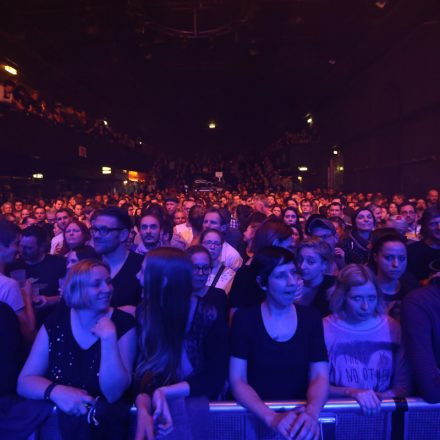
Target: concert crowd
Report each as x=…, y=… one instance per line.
x=168, y=300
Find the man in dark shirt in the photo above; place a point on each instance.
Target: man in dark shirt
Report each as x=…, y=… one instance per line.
x=110, y=230
x=43, y=269
x=422, y=253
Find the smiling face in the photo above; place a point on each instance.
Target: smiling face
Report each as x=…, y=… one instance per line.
x=391, y=260
x=283, y=285
x=364, y=221
x=99, y=289
x=361, y=303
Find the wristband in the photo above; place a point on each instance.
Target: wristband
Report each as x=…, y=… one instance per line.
x=49, y=390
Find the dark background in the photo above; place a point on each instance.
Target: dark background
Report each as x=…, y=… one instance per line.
x=367, y=71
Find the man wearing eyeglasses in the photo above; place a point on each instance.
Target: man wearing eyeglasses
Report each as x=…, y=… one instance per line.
x=110, y=230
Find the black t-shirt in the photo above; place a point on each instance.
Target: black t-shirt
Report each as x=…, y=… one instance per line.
x=320, y=302
x=71, y=365
x=278, y=370
x=11, y=350
x=126, y=287
x=419, y=257
x=245, y=291
x=47, y=272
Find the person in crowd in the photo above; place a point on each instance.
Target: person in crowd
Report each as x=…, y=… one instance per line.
x=151, y=233
x=7, y=208
x=43, y=269
x=183, y=341
x=420, y=319
x=278, y=350
x=422, y=253
x=230, y=257
x=78, y=211
x=366, y=356
x=291, y=218
x=245, y=290
x=202, y=267
x=80, y=253
x=76, y=234
x=408, y=211
x=314, y=257
x=83, y=356
x=277, y=210
x=432, y=200
x=179, y=217
x=306, y=207
x=357, y=244
x=18, y=299
x=220, y=276
x=388, y=260
x=249, y=228
x=110, y=230
x=63, y=218
x=323, y=228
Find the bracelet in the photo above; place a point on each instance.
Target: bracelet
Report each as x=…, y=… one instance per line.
x=49, y=390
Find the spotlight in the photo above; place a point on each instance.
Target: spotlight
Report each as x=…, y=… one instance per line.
x=212, y=125
x=302, y=168
x=106, y=170
x=11, y=70
x=37, y=176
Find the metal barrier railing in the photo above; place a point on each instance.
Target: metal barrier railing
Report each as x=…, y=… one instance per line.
x=340, y=419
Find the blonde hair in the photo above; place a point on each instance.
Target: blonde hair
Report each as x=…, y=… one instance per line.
x=350, y=276
x=320, y=246
x=77, y=279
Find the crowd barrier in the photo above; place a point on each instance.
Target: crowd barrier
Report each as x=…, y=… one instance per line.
x=342, y=419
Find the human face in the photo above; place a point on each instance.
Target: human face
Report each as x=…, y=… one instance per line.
x=296, y=237
x=249, y=233
x=40, y=214
x=74, y=235
x=107, y=234
x=377, y=212
x=270, y=200
x=150, y=231
x=391, y=260
x=7, y=208
x=276, y=211
x=78, y=210
x=58, y=204
x=18, y=206
x=170, y=207
x=432, y=196
x=290, y=217
x=212, y=221
x=179, y=218
x=364, y=221
x=283, y=286
x=408, y=213
x=99, y=289
x=310, y=264
x=361, y=303
x=8, y=254
x=62, y=219
x=392, y=209
x=187, y=206
x=29, y=249
x=71, y=259
x=306, y=207
x=434, y=228
x=327, y=235
x=25, y=213
x=334, y=211
x=213, y=243
x=201, y=270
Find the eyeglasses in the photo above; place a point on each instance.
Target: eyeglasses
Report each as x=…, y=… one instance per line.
x=211, y=243
x=204, y=269
x=103, y=230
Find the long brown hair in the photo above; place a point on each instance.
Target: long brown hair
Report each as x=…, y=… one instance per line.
x=163, y=315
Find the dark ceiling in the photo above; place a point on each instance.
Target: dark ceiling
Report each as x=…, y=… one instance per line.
x=163, y=69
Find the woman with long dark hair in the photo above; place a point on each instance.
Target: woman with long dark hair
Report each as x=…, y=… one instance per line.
x=182, y=341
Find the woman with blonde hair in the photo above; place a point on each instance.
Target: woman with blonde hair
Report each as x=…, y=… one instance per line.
x=364, y=343
x=83, y=355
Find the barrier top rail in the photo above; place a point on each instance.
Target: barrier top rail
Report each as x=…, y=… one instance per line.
x=332, y=405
